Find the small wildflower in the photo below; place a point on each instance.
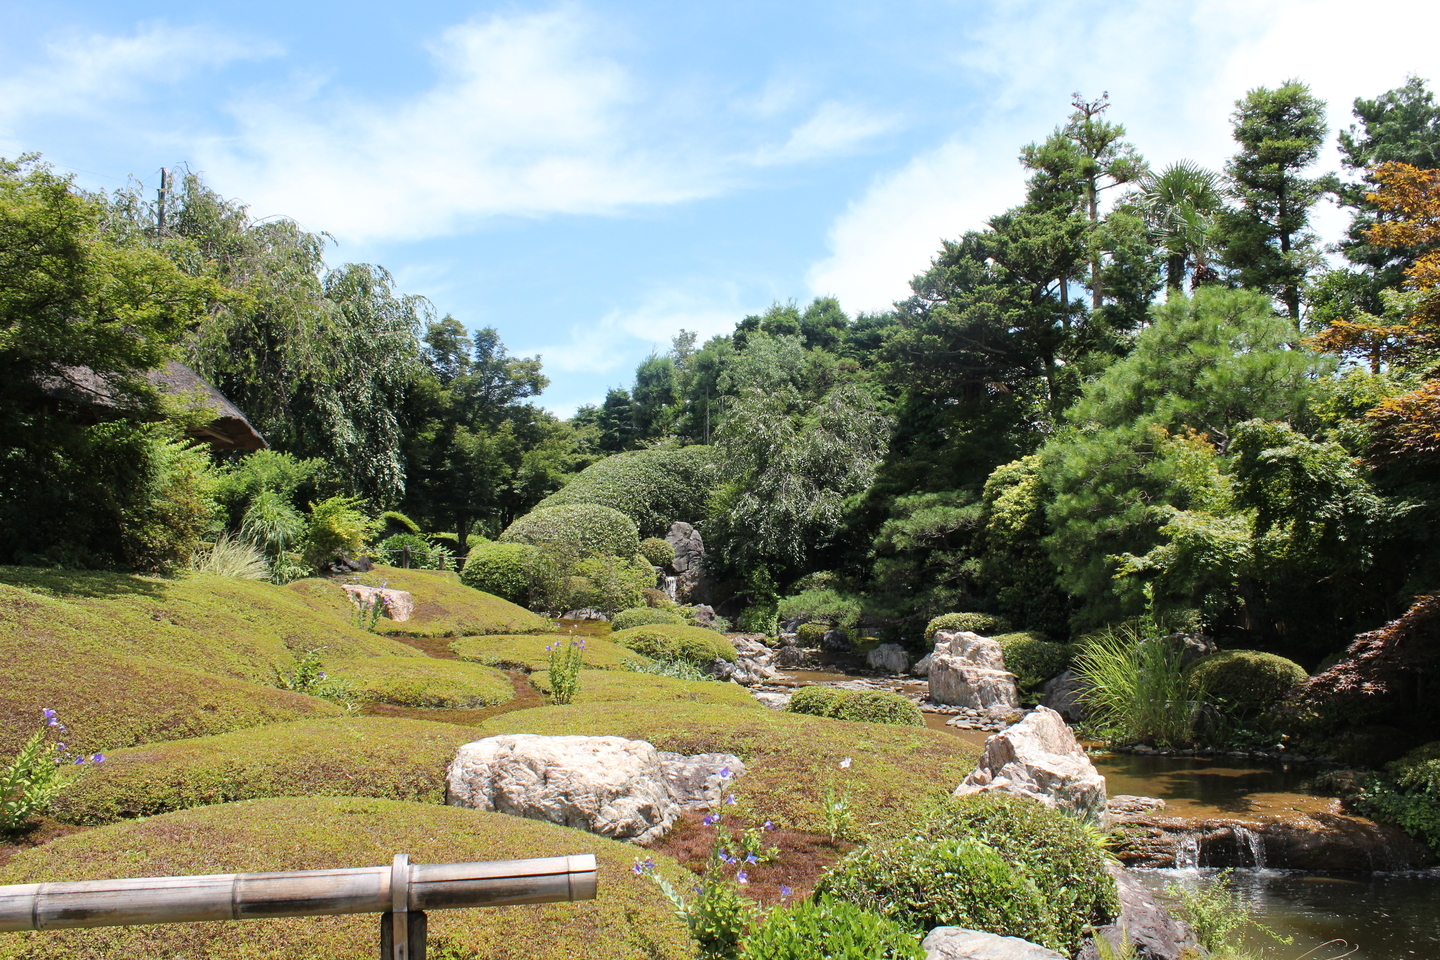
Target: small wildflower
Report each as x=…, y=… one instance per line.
x=751, y=858
x=725, y=773
x=320, y=676
x=731, y=800
x=742, y=877
x=727, y=858
x=710, y=819
x=785, y=891
x=649, y=863
x=845, y=764
x=60, y=747
x=768, y=825
x=79, y=760
x=50, y=719
x=638, y=868
x=98, y=758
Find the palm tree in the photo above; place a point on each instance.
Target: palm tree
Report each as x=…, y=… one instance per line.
x=1180, y=205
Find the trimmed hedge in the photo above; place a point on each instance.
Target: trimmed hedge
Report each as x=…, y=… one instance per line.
x=355, y=756
x=644, y=617
x=665, y=641
x=578, y=529
x=515, y=572
x=896, y=777
x=654, y=488
x=981, y=623
x=617, y=686
x=528, y=652
x=866, y=706
x=1032, y=658
x=1246, y=681
x=812, y=634
x=660, y=553
x=629, y=921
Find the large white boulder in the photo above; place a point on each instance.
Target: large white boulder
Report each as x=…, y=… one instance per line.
x=958, y=943
x=1040, y=758
x=606, y=785
x=968, y=670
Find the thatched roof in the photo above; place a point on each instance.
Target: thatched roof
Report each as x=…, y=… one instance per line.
x=230, y=430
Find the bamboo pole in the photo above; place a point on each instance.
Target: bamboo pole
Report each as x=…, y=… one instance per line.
x=296, y=893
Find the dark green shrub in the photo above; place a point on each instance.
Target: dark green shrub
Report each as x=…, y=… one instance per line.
x=674, y=642
x=923, y=882
x=824, y=928
x=1062, y=856
x=759, y=618
x=517, y=572
x=1032, y=658
x=1408, y=795
x=652, y=487
x=1245, y=681
x=644, y=616
x=981, y=623
x=811, y=634
x=393, y=522
x=866, y=706
x=659, y=552
x=577, y=530
x=822, y=605
x=612, y=584
x=423, y=555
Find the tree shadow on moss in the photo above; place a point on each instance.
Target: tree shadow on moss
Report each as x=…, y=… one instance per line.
x=82, y=583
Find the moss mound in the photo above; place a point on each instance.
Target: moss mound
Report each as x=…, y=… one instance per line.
x=896, y=775
x=425, y=682
x=354, y=756
x=1246, y=681
x=615, y=686
x=578, y=529
x=528, y=652
x=645, y=617
x=654, y=488
x=981, y=623
x=628, y=919
x=445, y=607
x=663, y=641
x=866, y=706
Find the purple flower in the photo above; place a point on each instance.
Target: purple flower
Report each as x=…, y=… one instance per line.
x=98, y=758
x=649, y=863
x=742, y=877
x=768, y=825
x=79, y=760
x=710, y=819
x=50, y=720
x=725, y=856
x=638, y=868
x=320, y=676
x=59, y=747
x=784, y=890
x=581, y=644
x=751, y=858
x=731, y=799
x=725, y=773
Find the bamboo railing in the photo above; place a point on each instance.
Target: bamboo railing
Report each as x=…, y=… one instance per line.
x=401, y=892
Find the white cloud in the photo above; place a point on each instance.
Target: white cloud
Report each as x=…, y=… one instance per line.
x=1173, y=73
x=835, y=128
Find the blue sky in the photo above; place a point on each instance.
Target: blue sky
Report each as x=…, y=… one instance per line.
x=591, y=177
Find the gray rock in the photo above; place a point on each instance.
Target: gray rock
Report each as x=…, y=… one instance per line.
x=700, y=782
x=772, y=699
x=957, y=943
x=793, y=658
x=584, y=613
x=606, y=785
x=921, y=667
x=692, y=586
x=1124, y=808
x=1155, y=934
x=837, y=641
x=704, y=614
x=1039, y=758
x=888, y=658
x=1062, y=694
x=968, y=670
x=754, y=663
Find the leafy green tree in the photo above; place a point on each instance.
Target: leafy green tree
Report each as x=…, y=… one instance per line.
x=655, y=393
x=1181, y=205
x=1267, y=238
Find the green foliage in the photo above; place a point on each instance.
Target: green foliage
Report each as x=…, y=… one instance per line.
x=826, y=928
x=822, y=605
x=654, y=683
x=576, y=530
x=1013, y=563
x=676, y=642
x=610, y=584
x=868, y=706
x=1408, y=795
x=717, y=915
x=517, y=572
x=1245, y=682
x=981, y=623
x=336, y=525
x=232, y=557
x=644, y=616
x=423, y=555
x=34, y=778
x=1135, y=690
x=675, y=669
x=653, y=487
x=427, y=682
x=1032, y=658
x=309, y=677
x=529, y=653
x=811, y=634
x=446, y=607
x=564, y=672
x=393, y=522
x=660, y=553
x=1217, y=912
x=1062, y=856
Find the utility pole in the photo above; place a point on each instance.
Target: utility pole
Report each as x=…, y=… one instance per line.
x=164, y=195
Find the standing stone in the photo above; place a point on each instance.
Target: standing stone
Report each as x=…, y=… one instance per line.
x=1062, y=694
x=968, y=670
x=692, y=585
x=888, y=658
x=1152, y=932
x=397, y=605
x=1039, y=758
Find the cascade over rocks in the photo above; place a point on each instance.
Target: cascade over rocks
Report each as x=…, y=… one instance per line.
x=968, y=670
x=692, y=585
x=618, y=788
x=958, y=943
x=1040, y=759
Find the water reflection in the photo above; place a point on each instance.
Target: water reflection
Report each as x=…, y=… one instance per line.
x=1201, y=787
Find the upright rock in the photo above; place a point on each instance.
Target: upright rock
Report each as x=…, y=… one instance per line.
x=968, y=670
x=689, y=564
x=1062, y=694
x=888, y=658
x=1153, y=933
x=1040, y=758
x=397, y=605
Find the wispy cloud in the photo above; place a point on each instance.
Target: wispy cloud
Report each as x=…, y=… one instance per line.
x=834, y=129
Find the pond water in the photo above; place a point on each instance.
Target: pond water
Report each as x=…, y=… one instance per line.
x=1204, y=787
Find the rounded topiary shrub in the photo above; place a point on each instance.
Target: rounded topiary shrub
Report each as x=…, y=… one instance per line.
x=644, y=616
x=826, y=927
x=981, y=623
x=664, y=641
x=654, y=488
x=1056, y=851
x=511, y=571
x=1246, y=681
x=580, y=529
x=659, y=552
x=1032, y=658
x=865, y=706
x=811, y=634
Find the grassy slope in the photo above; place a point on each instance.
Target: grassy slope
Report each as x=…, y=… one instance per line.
x=629, y=919
x=897, y=771
x=607, y=686
x=354, y=756
x=445, y=607
x=528, y=653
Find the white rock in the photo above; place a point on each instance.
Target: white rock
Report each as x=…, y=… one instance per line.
x=888, y=658
x=957, y=943
x=1040, y=758
x=606, y=785
x=921, y=667
x=971, y=647
x=398, y=604
x=697, y=782
x=968, y=670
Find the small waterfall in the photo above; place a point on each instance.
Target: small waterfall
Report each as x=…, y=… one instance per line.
x=1187, y=852
x=1254, y=842
x=672, y=589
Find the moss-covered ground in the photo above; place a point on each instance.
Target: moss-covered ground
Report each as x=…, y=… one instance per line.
x=416, y=682
x=629, y=918
x=528, y=653
x=445, y=607
x=607, y=686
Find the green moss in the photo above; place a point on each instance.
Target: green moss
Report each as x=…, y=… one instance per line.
x=629, y=918
x=865, y=706
x=518, y=572
x=644, y=617
x=676, y=642
x=652, y=487
x=528, y=652
x=897, y=773
x=445, y=607
x=981, y=623
x=354, y=756
x=1246, y=681
x=417, y=682
x=615, y=686
x=580, y=530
